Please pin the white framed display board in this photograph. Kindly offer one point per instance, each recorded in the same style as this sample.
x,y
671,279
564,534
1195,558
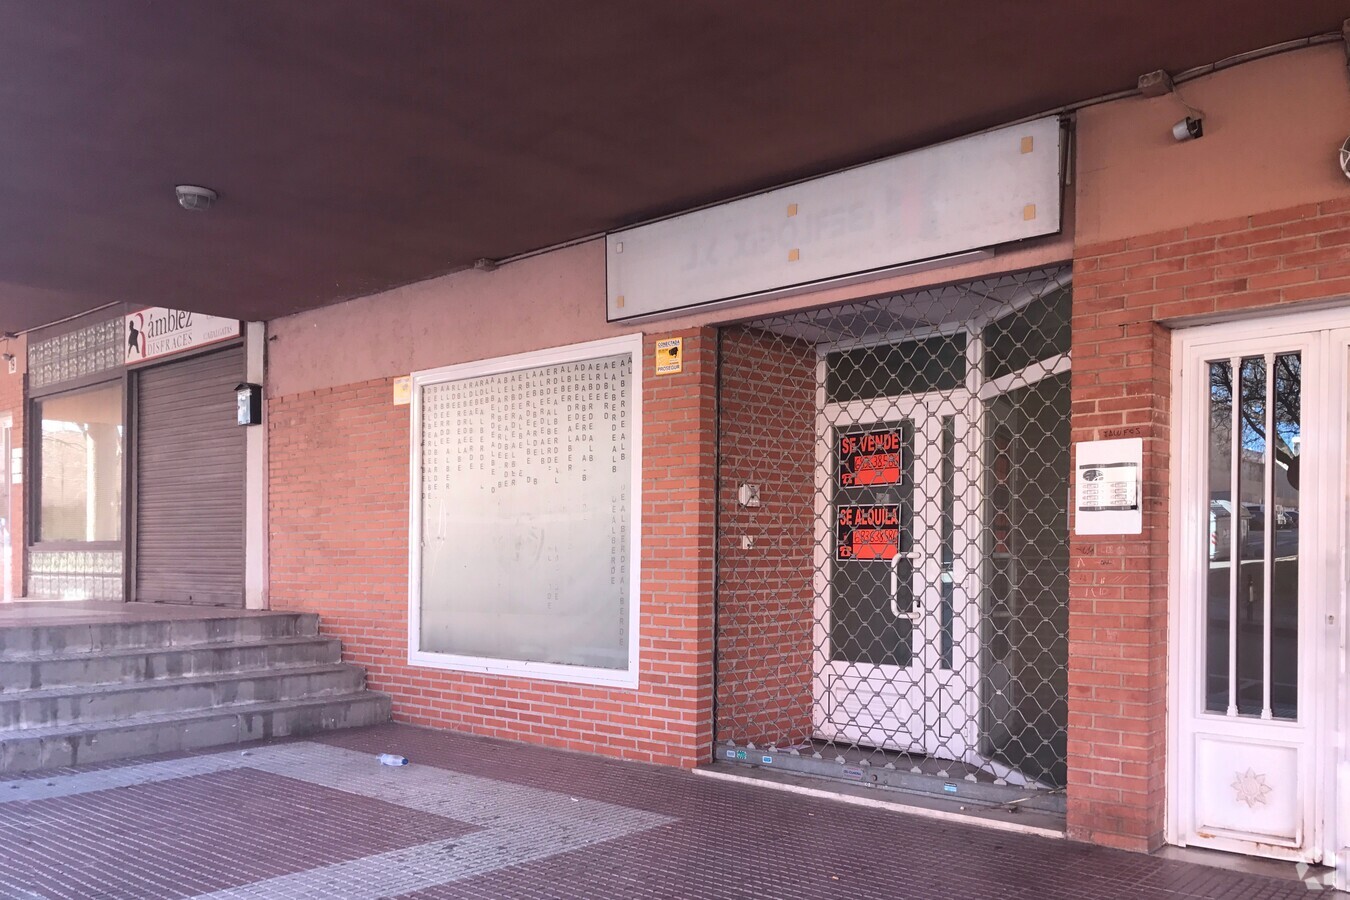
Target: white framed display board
x,y
1108,485
525,514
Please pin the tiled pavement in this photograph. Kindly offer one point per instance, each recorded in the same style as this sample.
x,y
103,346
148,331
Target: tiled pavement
x,y
473,818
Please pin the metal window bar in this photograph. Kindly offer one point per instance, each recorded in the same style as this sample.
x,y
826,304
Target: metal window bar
x,y
1268,527
1234,536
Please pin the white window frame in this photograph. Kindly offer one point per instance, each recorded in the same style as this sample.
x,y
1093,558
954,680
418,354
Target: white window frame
x,y
588,675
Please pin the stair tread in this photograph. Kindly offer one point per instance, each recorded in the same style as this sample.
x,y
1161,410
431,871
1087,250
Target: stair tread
x,y
184,716
118,652
112,687
101,621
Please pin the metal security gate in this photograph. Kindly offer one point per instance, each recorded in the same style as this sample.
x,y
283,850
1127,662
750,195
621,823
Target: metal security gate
x,y
188,492
893,540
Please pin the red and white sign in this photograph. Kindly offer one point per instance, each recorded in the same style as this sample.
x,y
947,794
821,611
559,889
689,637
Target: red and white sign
x,y
870,458
155,332
868,532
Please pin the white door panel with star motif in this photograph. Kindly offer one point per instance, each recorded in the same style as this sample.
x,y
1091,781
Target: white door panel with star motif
x,y
1257,590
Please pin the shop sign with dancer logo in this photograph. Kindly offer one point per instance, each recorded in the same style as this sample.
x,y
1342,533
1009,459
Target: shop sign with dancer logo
x,y
155,332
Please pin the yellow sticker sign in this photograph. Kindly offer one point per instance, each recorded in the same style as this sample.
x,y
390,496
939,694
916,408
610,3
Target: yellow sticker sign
x,y
669,356
402,391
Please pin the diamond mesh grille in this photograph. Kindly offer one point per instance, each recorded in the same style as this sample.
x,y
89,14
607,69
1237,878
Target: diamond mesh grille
x,y
893,534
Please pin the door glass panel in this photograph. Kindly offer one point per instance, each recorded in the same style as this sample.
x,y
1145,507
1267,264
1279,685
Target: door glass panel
x,y
1252,544
1036,331
863,627
1283,518
1250,570
1219,544
912,367
1026,597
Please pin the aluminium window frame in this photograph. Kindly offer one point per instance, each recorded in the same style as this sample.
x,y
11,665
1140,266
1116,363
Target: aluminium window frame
x,y
628,677
32,495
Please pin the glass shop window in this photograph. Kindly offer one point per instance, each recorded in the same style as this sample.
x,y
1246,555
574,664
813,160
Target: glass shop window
x,y
525,495
1037,331
911,367
80,455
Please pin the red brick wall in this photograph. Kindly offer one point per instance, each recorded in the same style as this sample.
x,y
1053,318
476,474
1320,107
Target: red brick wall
x,y
766,421
1122,380
339,483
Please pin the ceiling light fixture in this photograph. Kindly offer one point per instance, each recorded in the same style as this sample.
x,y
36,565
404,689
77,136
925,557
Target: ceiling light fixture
x,y
194,197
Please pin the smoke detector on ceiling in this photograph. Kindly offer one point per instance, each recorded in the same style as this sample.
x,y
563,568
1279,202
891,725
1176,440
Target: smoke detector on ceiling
x,y
194,197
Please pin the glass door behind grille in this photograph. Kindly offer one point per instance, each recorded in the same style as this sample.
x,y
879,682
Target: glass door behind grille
x,y
890,607
899,602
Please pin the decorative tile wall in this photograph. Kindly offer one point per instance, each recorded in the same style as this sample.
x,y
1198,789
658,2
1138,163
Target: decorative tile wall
x,y
75,574
75,354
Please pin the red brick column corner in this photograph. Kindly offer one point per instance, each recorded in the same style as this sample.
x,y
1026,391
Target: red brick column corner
x,y
1118,592
679,468
1122,386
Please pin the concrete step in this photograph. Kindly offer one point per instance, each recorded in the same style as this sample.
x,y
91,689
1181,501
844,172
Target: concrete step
x,y
139,664
54,639
78,704
70,745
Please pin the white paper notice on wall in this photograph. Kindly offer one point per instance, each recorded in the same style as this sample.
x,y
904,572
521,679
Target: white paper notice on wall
x,y
1107,488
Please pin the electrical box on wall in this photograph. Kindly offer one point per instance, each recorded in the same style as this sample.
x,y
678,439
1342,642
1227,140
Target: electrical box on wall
x,y
249,400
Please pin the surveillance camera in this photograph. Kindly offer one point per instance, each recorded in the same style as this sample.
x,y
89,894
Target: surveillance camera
x,y
1188,129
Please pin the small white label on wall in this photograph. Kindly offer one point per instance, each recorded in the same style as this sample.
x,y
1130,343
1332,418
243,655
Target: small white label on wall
x,y
1107,487
403,390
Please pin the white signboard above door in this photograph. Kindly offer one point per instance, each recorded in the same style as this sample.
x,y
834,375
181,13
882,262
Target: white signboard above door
x,y
155,332
897,213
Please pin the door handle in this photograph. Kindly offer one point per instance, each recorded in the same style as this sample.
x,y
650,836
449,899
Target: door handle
x,y
916,608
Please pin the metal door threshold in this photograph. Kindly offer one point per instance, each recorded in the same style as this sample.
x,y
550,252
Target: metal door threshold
x,y
1014,818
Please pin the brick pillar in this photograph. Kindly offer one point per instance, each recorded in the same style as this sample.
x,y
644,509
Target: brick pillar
x,y
13,391
766,592
1118,583
1122,385
679,467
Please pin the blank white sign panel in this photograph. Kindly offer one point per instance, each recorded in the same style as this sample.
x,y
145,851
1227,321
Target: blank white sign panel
x,y
525,514
972,193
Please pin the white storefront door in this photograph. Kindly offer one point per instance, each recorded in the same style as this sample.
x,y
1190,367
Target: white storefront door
x,y
1257,685
898,665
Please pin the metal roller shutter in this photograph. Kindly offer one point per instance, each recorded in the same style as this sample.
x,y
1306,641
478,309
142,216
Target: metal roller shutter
x,y
189,489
